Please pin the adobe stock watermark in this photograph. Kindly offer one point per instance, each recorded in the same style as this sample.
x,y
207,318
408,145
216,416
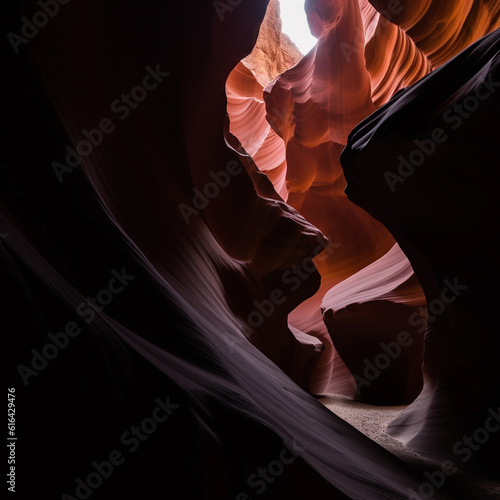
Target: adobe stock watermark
x,y
454,116
201,199
39,20
278,118
437,306
390,352
264,476
57,342
293,278
131,440
464,448
223,6
121,107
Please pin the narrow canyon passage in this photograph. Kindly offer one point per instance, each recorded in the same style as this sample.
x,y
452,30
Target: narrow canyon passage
x,y
292,255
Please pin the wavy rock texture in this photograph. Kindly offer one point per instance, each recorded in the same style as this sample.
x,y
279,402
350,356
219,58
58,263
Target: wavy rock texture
x,y
453,199
273,53
365,54
312,107
229,306
440,40
213,267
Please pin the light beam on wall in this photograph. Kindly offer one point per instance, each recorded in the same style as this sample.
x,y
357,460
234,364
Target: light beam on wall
x,y
295,25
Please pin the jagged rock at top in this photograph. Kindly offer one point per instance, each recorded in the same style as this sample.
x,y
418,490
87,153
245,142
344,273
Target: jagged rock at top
x,y
274,52
218,266
362,59
224,259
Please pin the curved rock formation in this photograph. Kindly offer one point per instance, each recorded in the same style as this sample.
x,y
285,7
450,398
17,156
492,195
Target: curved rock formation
x,y
272,54
363,58
312,107
385,359
423,165
142,167
466,22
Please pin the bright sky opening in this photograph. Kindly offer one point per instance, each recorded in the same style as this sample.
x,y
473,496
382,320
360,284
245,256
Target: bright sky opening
x,y
293,18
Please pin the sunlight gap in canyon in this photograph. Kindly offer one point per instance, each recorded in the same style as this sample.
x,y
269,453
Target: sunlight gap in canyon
x,y
294,24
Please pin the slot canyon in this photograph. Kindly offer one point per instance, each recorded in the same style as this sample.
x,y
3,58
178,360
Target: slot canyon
x,y
238,270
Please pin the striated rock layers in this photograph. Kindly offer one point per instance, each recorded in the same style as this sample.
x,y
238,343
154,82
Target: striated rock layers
x,y
240,224
295,128
424,165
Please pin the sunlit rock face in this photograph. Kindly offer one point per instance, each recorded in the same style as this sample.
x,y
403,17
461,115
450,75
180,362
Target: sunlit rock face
x,y
366,53
436,199
243,266
273,53
310,109
442,29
